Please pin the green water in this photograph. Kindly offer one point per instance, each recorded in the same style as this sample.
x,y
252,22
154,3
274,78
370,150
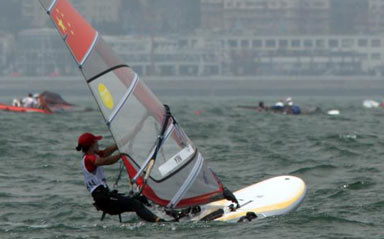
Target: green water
x,y
340,158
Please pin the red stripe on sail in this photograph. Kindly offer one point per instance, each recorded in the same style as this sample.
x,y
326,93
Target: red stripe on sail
x,y
78,34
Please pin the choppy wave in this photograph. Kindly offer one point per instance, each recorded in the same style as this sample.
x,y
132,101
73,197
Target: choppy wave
x,y
340,158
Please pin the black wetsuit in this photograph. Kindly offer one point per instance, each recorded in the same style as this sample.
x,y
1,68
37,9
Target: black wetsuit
x,y
114,203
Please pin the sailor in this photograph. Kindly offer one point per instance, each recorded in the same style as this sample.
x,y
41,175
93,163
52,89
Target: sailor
x,y
279,104
278,107
291,108
261,106
16,102
289,101
36,98
29,101
41,104
108,201
288,106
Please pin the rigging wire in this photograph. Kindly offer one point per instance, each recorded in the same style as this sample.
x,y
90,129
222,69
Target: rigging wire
x,y
118,176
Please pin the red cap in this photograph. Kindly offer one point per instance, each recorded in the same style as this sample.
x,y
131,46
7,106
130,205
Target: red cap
x,y
87,139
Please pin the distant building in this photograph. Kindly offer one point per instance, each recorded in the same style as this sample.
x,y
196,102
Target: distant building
x,y
376,13
33,14
313,16
41,52
236,37
160,16
305,55
248,55
99,11
6,47
10,16
294,16
349,16
266,17
172,56
212,12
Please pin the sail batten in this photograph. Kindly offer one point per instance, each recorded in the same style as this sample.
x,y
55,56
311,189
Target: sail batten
x,y
103,73
89,50
188,182
51,6
136,118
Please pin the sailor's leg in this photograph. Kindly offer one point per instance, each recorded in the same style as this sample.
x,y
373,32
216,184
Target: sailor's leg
x,y
143,212
127,204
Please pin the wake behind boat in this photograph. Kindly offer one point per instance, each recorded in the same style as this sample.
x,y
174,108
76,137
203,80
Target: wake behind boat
x,y
162,162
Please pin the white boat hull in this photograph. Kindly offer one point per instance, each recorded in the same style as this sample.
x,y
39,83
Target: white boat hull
x,y
271,197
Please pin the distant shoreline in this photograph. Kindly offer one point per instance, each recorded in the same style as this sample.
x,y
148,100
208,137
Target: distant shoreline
x,y
207,78
215,86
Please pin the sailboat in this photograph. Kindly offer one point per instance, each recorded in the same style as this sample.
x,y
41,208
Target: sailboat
x,y
48,103
162,162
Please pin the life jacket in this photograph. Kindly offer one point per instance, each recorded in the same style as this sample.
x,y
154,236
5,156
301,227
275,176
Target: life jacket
x,y
93,179
296,110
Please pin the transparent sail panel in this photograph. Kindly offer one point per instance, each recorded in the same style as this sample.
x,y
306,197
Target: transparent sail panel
x,y
101,59
108,91
135,130
175,152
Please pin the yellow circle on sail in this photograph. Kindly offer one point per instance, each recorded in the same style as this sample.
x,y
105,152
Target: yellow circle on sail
x,y
105,96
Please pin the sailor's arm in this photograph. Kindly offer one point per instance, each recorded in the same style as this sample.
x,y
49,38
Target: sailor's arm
x,y
107,160
109,150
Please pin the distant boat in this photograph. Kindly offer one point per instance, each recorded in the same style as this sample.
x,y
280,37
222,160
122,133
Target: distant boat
x,y
21,109
55,102
371,104
49,102
288,109
333,112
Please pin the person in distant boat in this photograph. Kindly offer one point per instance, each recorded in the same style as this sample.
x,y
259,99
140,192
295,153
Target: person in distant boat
x,y
29,101
290,108
262,106
107,201
288,101
278,107
41,104
17,102
37,100
279,104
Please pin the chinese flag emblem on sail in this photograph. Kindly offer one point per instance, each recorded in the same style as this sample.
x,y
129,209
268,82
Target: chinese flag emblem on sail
x,y
76,32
